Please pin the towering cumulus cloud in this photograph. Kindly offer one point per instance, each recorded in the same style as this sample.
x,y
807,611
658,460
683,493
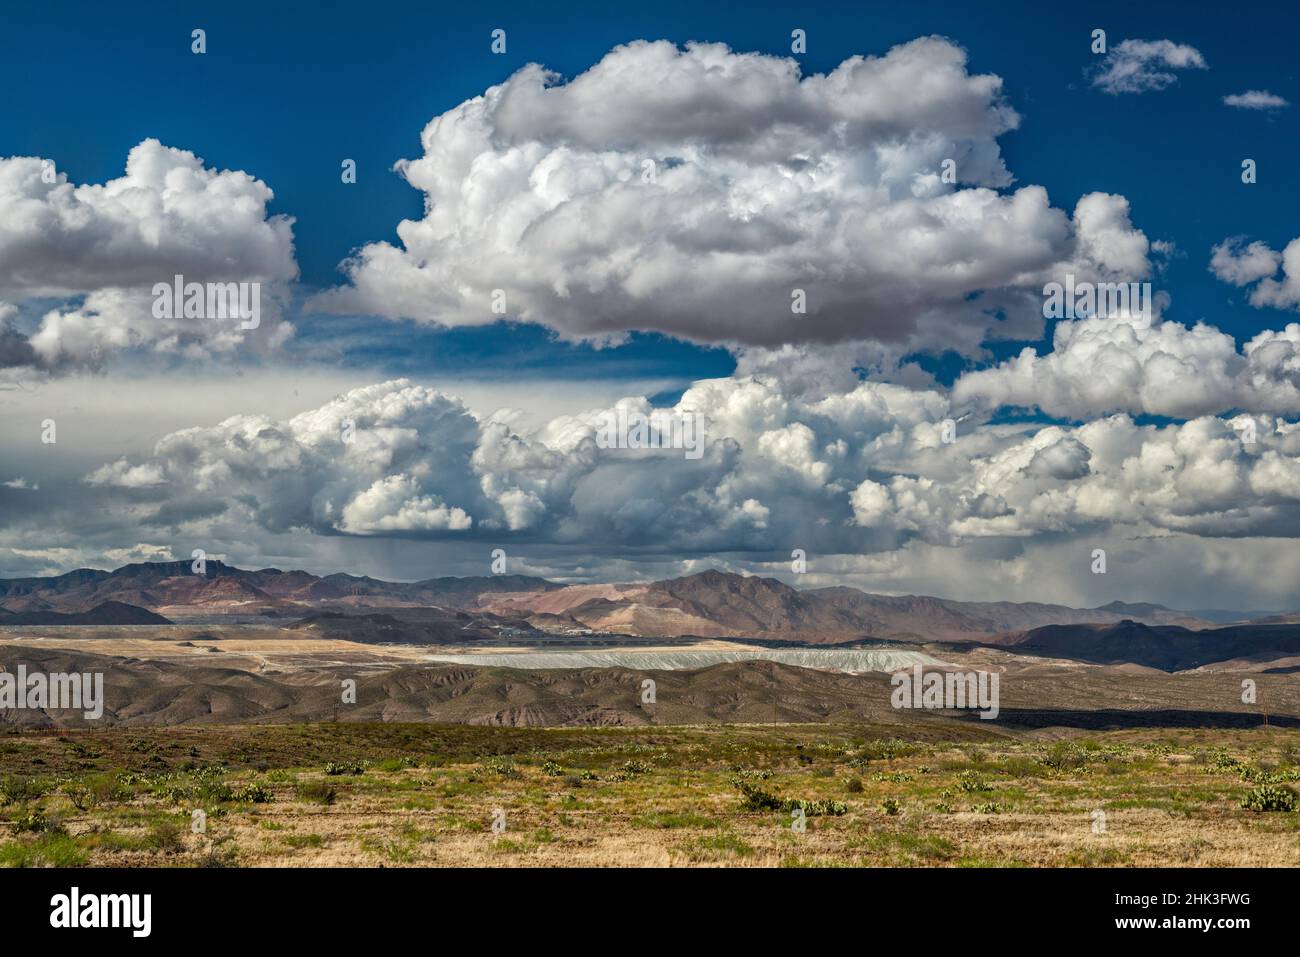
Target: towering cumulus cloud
x,y
694,191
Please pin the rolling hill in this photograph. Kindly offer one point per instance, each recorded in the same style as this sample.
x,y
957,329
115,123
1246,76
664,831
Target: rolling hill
x,y
1167,647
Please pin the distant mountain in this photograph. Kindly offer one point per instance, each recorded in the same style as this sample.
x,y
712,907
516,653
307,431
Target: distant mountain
x,y
1166,647
1290,618
718,604
173,588
1226,616
710,604
1217,616
434,628
106,613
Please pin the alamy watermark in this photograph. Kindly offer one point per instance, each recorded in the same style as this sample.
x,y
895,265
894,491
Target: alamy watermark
x,y
1084,300
56,691
179,299
75,909
661,429
946,690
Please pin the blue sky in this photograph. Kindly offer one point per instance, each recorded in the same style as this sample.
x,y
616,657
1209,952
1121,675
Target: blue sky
x,y
288,90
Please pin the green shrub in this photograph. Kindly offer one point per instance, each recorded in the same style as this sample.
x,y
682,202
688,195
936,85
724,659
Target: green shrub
x,y
253,794
1269,797
754,798
317,792
336,768
17,790
35,822
48,850
304,840
970,782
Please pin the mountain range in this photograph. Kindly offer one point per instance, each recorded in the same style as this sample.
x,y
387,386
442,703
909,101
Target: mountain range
x,y
710,604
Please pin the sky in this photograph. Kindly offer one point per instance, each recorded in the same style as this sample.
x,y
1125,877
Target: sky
x,y
505,270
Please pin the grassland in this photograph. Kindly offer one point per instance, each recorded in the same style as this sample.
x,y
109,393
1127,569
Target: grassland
x,y
427,795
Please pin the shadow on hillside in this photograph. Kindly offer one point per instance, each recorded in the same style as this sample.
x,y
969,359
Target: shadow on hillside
x,y
1111,720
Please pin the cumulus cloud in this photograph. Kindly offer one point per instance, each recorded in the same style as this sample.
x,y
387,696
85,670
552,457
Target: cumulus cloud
x,y
1240,264
860,471
103,247
694,192
1255,100
1120,363
1257,263
1136,66
123,474
1200,477
1067,458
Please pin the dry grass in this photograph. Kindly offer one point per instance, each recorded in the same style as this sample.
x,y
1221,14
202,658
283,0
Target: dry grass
x,y
427,796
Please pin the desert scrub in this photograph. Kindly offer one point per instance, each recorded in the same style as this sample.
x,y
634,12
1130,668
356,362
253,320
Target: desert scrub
x,y
1269,797
35,822
893,777
1019,766
552,769
714,846
17,790
96,790
395,850
297,841
674,819
505,769
631,769
397,764
252,794
48,850
316,792
337,768
1263,775
201,785
970,782
889,806
754,798
881,750
164,837
1065,756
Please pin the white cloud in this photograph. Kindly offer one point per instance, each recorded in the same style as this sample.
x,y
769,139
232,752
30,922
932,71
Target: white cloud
x,y
860,471
1255,100
102,247
394,504
1136,66
123,474
139,552
765,182
1239,264
1257,263
1111,364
